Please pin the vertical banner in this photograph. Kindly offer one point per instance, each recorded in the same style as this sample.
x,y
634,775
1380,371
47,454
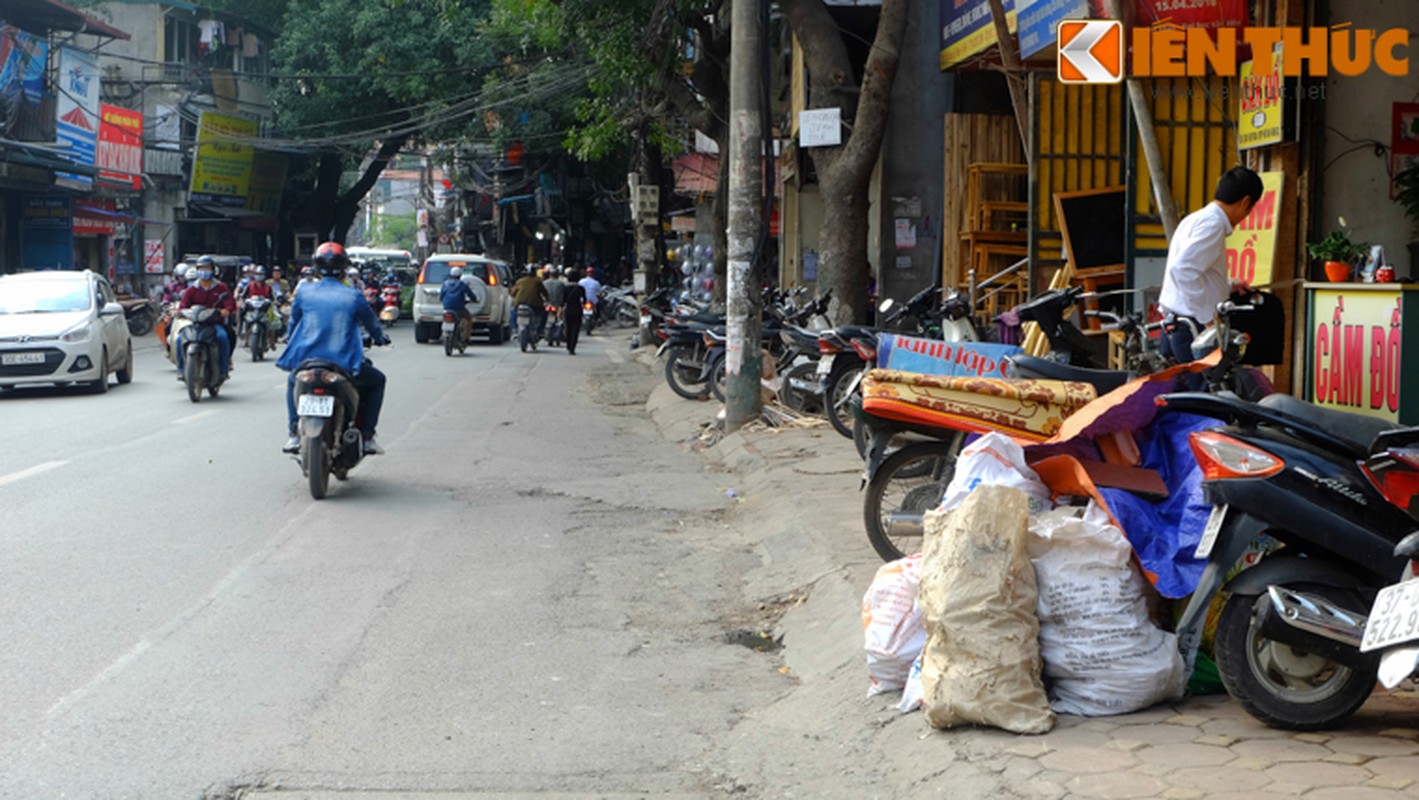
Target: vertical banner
x,y
153,257
46,232
77,112
221,169
268,180
120,152
1251,249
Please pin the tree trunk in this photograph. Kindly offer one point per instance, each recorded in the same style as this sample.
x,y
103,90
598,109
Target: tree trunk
x,y
845,171
348,206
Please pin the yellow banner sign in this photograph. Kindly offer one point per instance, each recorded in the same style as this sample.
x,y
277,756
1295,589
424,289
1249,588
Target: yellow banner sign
x,y
1355,351
221,169
1251,249
1261,103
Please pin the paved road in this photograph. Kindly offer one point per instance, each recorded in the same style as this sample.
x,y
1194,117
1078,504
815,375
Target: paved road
x,y
499,603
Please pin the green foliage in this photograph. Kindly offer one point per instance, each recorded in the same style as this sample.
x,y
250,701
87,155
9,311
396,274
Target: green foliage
x,y
398,231
1337,247
1407,182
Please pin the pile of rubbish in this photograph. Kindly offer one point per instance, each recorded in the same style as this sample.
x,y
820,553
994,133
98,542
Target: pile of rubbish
x,y
1019,607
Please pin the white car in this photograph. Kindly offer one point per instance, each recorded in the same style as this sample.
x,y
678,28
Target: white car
x,y
62,327
492,305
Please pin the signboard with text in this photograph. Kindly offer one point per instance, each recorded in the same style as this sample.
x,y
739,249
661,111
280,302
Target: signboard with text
x,y
120,147
77,112
1251,249
967,29
153,257
46,232
1355,349
221,168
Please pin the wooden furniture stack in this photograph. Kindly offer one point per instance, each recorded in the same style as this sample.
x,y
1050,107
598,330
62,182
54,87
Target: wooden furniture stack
x,y
996,233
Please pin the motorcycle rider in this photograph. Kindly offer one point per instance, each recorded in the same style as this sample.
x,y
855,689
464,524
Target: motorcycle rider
x,y
212,293
530,291
592,287
172,291
456,296
326,318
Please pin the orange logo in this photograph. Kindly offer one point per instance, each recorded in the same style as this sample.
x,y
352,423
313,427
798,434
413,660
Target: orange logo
x,y
1090,51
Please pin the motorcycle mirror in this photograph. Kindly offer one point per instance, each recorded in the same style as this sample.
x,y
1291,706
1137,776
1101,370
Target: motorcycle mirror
x,y
885,306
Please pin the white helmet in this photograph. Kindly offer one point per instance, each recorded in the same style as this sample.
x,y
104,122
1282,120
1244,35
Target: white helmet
x,y
352,271
180,271
456,272
192,273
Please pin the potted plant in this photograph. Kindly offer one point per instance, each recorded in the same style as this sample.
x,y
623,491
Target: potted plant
x,y
1338,253
1406,183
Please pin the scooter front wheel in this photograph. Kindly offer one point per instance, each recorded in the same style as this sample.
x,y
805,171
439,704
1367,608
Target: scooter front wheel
x,y
1282,685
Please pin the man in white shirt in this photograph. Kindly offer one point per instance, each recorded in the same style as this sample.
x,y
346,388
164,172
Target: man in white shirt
x,y
1196,279
593,296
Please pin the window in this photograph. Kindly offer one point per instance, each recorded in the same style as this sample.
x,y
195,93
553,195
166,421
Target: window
x,y
179,40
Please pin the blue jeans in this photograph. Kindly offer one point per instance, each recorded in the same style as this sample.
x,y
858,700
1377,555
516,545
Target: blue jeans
x,y
224,351
369,383
1176,344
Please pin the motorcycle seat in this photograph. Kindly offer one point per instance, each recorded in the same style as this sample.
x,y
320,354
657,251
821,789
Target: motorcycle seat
x,y
859,331
1103,380
321,363
1360,429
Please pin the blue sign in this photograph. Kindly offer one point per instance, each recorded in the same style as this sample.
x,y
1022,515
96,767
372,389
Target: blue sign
x,y
951,359
46,232
77,112
1038,19
967,28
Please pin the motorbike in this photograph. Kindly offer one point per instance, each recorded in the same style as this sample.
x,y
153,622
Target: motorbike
x,y
556,329
389,313
141,314
455,333
1392,626
588,316
1302,494
526,329
201,367
257,313
327,408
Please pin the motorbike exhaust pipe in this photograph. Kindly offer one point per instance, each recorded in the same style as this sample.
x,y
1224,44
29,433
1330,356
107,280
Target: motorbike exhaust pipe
x,y
352,446
1314,624
904,524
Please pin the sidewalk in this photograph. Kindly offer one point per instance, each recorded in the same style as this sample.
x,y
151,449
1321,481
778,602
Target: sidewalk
x,y
802,513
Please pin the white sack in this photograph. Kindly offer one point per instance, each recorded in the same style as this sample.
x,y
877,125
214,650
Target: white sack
x,y
891,623
995,460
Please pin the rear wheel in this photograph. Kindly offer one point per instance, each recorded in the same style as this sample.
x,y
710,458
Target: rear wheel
x,y
448,341
719,376
682,372
317,466
910,481
836,396
192,376
421,333
796,398
1285,686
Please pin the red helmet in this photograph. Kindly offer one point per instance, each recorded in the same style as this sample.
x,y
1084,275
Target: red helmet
x,y
330,259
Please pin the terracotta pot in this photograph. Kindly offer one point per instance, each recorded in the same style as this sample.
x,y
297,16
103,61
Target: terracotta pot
x,y
1337,271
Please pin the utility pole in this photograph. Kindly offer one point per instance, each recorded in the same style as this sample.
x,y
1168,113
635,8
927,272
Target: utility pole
x,y
1148,137
742,359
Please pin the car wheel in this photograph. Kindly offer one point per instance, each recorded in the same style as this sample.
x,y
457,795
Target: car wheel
x,y
421,333
125,373
498,334
101,385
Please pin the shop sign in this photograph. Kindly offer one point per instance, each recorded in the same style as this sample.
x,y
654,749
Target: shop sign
x,y
1039,18
1205,14
46,232
95,225
1261,105
77,112
153,257
221,168
22,60
967,29
120,148
1355,351
268,181
820,127
1251,249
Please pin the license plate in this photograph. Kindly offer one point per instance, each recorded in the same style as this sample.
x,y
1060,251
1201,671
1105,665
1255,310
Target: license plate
x,y
315,405
1209,533
448,327
825,366
22,358
1394,618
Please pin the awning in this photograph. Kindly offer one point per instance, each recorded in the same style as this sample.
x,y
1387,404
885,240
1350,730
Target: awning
x,y
42,157
54,15
82,209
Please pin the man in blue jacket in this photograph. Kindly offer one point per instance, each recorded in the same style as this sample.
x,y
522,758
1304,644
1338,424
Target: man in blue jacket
x,y
325,323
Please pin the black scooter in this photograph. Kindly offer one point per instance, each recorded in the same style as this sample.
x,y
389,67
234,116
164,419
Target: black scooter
x,y
201,362
328,415
1293,498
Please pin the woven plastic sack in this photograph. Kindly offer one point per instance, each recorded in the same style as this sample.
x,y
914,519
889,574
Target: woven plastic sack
x,y
891,623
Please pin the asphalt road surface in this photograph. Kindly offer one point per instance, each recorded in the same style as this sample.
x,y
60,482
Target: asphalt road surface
x,y
504,602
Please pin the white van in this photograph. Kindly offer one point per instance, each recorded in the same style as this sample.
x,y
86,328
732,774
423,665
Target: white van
x,y
491,308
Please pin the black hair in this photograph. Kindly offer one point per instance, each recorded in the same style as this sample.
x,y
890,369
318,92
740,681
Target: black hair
x,y
1236,183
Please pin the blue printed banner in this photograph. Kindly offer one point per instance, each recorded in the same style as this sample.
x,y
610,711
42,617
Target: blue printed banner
x,y
950,359
1038,19
77,110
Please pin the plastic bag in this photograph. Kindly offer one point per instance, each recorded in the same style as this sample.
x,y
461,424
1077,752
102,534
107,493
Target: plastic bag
x,y
891,623
912,693
995,460
1102,655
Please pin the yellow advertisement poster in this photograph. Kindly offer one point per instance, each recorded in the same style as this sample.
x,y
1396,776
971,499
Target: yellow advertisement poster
x,y
1260,104
1251,249
221,168
268,180
1355,350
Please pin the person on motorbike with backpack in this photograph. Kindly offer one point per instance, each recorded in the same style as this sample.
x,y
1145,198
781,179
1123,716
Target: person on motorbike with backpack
x,y
326,318
456,295
209,292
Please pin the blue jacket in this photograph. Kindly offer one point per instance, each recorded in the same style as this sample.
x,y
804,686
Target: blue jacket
x,y
456,295
325,323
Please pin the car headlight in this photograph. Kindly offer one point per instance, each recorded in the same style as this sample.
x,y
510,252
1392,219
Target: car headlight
x,y
79,334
